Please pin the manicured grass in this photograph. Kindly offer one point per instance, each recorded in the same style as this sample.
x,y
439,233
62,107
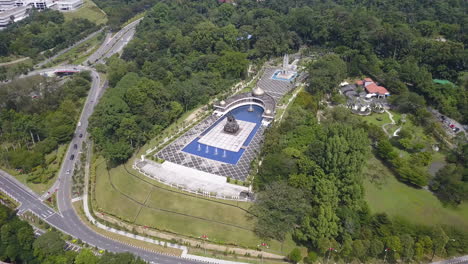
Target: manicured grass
x,y
374,119
78,206
175,211
386,194
109,200
90,11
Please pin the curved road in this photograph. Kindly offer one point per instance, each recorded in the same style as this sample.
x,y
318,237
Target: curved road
x,y
67,220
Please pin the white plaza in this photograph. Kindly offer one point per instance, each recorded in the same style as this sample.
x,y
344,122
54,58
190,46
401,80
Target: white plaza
x,y
217,138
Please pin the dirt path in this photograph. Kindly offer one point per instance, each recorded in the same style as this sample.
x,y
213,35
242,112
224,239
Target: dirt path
x,y
13,62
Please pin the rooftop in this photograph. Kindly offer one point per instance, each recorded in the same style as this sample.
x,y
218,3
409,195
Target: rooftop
x,y
13,11
375,89
443,82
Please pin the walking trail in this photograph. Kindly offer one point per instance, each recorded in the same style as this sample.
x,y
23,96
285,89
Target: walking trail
x,y
390,115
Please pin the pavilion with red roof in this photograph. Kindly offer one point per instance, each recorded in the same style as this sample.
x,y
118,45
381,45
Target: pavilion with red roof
x,y
372,89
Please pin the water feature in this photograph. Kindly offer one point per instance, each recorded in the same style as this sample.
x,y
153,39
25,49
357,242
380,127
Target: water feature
x,y
231,157
281,75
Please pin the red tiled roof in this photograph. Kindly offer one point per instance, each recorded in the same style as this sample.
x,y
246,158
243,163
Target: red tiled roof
x,y
374,88
359,82
368,80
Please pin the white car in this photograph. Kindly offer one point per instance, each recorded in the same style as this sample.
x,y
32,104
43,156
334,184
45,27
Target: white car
x,y
68,172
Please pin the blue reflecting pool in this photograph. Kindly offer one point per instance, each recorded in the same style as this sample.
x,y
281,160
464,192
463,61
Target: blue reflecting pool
x,y
219,154
276,76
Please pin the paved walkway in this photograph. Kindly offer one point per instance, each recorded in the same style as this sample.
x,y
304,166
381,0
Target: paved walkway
x,y
459,260
189,179
390,115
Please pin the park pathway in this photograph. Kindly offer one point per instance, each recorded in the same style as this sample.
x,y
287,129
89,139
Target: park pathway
x,y
390,115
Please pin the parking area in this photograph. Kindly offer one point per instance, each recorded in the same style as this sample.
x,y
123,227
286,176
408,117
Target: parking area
x,y
452,127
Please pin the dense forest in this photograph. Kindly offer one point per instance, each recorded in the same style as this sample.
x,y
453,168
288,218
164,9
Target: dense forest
x,y
18,244
192,50
43,31
311,184
37,114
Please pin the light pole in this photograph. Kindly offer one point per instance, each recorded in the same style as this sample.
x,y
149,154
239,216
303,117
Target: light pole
x,y
330,252
204,238
263,244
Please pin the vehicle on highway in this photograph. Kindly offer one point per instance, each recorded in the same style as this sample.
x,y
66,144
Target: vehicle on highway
x,y
75,146
72,157
68,172
81,135
79,123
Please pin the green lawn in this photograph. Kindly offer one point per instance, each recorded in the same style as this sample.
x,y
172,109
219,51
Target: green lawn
x,y
385,194
377,119
174,211
109,200
90,11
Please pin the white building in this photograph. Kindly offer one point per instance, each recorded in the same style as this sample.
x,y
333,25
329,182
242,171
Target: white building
x,y
38,4
13,15
69,5
15,10
7,5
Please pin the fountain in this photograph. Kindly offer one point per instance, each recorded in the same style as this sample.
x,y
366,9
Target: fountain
x,y
216,151
207,149
224,154
286,73
199,147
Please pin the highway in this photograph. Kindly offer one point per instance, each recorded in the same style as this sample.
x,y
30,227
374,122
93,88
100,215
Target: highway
x,y
44,62
80,132
69,222
66,219
113,45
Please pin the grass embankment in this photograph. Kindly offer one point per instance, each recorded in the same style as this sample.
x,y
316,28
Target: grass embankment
x,y
139,200
78,206
89,11
54,160
384,193
136,17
